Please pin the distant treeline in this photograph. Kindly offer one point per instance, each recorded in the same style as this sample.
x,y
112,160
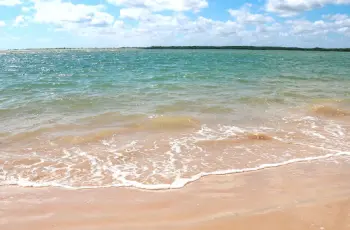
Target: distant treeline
x,y
250,48
186,48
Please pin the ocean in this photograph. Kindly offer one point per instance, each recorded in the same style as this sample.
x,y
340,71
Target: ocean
x,y
160,119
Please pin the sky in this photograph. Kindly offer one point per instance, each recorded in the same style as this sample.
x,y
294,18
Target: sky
x,y
124,23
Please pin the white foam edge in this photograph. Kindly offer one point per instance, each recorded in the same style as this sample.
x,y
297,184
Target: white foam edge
x,y
179,182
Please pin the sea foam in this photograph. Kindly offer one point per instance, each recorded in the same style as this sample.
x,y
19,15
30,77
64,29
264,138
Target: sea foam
x,y
179,182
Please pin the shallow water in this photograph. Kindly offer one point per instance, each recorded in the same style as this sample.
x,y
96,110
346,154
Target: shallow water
x,y
159,119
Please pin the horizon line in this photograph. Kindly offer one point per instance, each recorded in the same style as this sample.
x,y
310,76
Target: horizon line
x,y
245,47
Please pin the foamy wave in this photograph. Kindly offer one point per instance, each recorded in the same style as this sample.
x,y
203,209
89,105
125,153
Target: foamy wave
x,y
179,182
170,161
223,132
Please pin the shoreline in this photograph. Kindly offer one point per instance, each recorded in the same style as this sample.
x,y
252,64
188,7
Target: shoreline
x,y
287,197
184,182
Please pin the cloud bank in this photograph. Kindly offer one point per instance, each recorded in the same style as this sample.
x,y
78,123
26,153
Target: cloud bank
x,y
181,22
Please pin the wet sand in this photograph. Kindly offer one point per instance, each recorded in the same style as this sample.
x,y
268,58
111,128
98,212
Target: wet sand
x,y
312,195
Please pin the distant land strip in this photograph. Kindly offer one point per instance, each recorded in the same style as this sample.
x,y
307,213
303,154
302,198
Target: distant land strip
x,y
181,48
250,48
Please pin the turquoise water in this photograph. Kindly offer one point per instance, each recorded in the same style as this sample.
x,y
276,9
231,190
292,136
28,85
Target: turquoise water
x,y
144,80
52,103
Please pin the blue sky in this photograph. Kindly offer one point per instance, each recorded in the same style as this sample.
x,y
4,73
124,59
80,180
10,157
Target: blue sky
x,y
116,23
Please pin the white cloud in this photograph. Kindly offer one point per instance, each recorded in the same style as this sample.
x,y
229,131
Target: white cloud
x,y
340,20
202,26
9,2
305,27
153,27
178,29
344,30
244,16
26,8
288,8
161,5
157,23
118,24
2,23
178,24
332,24
69,16
20,21
157,29
336,17
134,13
273,28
